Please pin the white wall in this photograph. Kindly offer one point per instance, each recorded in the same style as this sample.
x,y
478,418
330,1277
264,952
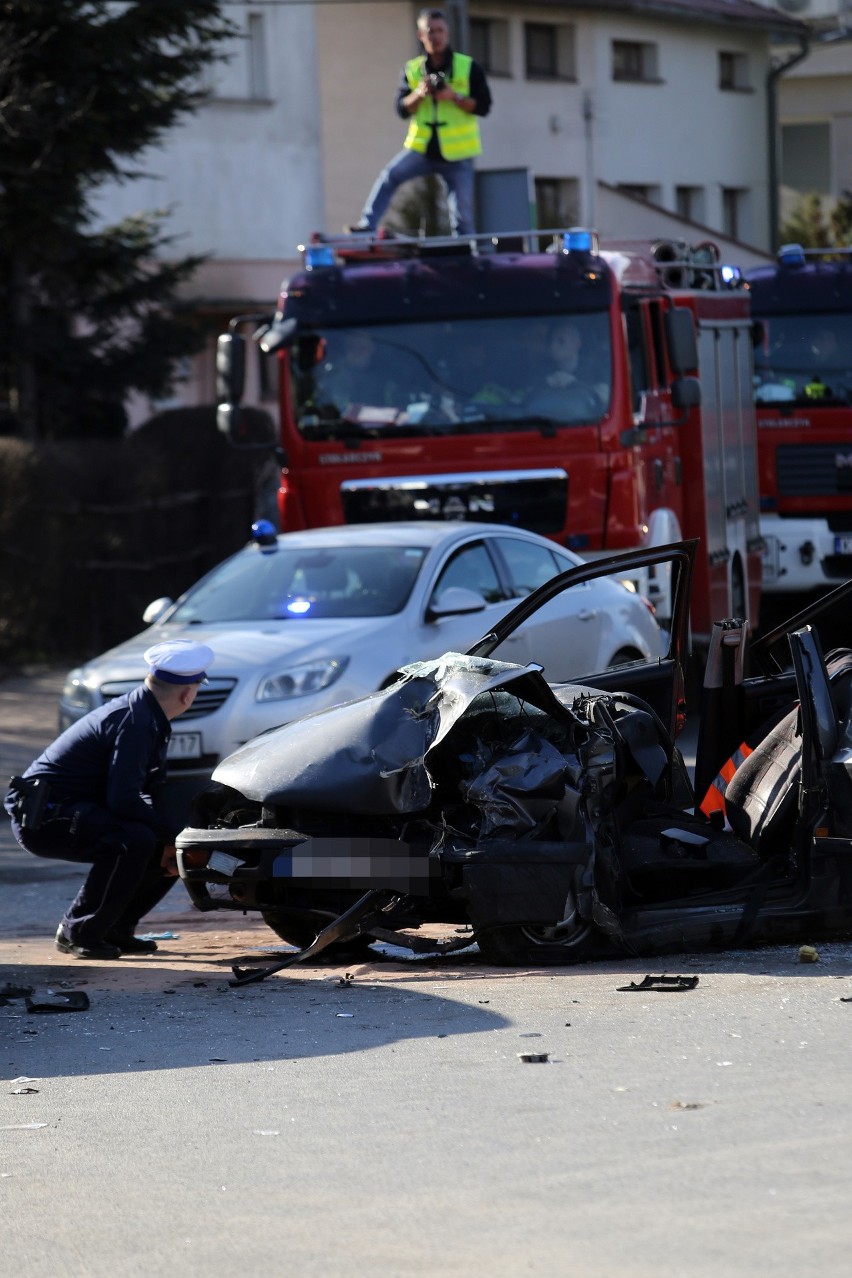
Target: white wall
x,y
243,176
682,131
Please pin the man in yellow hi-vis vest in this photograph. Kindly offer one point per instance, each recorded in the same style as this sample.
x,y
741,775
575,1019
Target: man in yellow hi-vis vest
x,y
440,94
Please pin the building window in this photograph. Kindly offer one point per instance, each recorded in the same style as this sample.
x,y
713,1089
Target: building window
x,y
488,42
557,202
244,75
734,72
549,51
806,157
258,82
689,202
641,191
634,61
734,208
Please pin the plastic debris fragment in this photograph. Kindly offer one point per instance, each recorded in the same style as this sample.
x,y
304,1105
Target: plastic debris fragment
x,y
68,1001
661,983
807,954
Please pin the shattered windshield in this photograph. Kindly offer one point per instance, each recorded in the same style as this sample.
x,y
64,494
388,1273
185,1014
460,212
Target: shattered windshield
x,y
453,376
302,584
803,359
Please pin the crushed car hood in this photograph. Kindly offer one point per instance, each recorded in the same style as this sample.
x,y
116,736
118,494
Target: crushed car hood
x,y
372,755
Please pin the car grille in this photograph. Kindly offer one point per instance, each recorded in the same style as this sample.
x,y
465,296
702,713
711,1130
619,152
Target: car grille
x,y
813,470
211,695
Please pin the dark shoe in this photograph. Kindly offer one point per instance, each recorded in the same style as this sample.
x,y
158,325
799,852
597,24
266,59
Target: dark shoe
x,y
359,228
98,950
131,944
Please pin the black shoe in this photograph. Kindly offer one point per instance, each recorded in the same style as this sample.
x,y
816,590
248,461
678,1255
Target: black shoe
x,y
130,944
98,950
359,228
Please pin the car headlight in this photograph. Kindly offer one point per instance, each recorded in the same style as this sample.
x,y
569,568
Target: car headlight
x,y
300,681
76,694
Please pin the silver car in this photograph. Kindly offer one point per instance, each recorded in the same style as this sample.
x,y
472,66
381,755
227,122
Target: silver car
x,y
303,621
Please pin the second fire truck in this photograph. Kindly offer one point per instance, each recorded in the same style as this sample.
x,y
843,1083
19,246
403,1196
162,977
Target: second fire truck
x,y
803,393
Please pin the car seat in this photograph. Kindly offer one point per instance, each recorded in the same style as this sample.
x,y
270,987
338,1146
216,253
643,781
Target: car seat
x,y
779,795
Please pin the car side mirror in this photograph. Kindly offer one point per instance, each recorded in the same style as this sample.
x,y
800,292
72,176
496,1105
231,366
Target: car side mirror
x,y
456,601
155,610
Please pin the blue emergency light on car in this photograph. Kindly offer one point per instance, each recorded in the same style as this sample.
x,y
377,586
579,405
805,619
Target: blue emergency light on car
x,y
578,239
263,532
730,275
791,255
318,255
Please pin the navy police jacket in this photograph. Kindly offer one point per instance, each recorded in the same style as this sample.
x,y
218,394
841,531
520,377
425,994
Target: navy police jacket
x,y
115,757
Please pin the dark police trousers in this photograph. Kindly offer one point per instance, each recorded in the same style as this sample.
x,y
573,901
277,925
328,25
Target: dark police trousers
x,y
126,879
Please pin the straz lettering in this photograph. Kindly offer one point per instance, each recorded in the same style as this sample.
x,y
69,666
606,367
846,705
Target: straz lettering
x,y
347,459
791,423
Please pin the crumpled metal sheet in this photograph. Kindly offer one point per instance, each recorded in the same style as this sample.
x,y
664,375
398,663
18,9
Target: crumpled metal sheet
x,y
505,757
371,755
520,789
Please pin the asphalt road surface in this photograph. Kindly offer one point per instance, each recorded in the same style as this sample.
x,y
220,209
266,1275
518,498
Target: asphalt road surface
x,y
377,1118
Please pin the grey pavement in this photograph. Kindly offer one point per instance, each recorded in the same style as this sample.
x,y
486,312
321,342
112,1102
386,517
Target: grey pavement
x,y
382,1122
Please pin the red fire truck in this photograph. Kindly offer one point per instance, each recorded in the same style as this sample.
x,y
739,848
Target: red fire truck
x,y
600,395
803,394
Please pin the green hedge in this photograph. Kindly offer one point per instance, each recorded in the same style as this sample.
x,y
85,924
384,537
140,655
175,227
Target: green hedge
x,y
91,531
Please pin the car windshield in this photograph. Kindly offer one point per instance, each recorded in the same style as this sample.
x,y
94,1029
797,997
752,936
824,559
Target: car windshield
x,y
453,377
300,584
804,358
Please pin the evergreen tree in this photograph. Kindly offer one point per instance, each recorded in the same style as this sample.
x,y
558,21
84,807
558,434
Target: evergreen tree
x,y
88,315
806,224
841,221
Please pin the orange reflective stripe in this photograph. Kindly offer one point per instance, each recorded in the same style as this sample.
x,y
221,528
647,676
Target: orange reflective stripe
x,y
714,799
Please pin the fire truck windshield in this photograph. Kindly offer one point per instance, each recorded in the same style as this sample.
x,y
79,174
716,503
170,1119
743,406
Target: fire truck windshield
x,y
453,376
804,358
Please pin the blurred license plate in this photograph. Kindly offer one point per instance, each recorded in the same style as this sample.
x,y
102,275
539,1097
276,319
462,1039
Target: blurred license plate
x,y
843,545
185,745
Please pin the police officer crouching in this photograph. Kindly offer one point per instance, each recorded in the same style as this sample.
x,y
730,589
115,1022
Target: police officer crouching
x,y
89,797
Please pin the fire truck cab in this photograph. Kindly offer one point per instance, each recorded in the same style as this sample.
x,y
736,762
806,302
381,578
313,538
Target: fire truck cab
x,y
598,394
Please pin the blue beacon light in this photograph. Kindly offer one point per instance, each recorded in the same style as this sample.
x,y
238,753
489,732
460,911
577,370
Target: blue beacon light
x,y
318,255
578,239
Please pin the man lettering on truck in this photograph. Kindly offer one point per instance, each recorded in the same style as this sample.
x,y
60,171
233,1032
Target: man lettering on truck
x,y
441,94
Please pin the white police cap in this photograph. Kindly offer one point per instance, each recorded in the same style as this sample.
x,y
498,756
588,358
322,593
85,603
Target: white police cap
x,y
179,660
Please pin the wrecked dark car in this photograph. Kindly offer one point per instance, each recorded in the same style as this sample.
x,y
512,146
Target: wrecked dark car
x,y
557,821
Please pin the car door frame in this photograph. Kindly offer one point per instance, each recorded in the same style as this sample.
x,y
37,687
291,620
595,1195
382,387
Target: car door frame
x,y
660,683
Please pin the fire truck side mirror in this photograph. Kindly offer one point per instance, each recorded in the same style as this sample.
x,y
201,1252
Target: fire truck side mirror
x,y
686,393
680,340
230,368
245,427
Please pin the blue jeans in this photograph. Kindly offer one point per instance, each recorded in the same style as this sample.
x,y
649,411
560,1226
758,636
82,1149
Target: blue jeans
x,y
458,175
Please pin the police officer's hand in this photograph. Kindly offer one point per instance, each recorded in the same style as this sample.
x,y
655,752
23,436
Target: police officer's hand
x,y
169,861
